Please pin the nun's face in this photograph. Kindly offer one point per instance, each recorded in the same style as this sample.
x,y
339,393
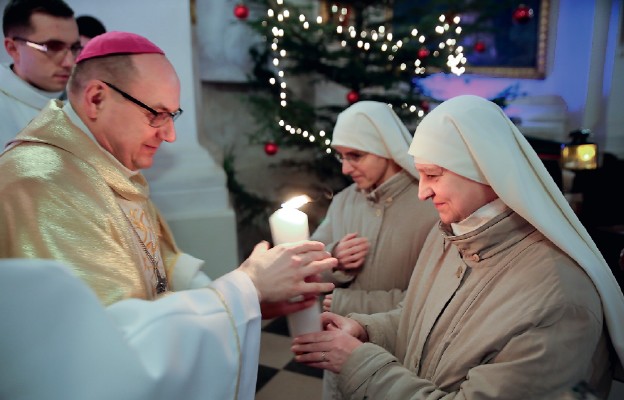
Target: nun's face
x,y
454,196
367,170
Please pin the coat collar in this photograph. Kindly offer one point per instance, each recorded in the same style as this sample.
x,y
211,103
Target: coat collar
x,y
497,235
391,188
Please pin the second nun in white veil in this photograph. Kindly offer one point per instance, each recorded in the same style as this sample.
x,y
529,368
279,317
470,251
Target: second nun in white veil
x,y
366,227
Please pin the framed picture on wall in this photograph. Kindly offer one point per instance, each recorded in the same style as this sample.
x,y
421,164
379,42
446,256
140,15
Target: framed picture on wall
x,y
515,45
622,28
501,38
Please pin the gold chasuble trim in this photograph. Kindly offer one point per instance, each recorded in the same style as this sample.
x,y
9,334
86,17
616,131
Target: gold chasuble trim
x,y
238,345
161,279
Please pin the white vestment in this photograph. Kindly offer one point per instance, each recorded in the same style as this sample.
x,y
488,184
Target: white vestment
x,y
19,103
59,342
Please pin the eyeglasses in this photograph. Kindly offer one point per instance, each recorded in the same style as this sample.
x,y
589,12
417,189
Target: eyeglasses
x,y
158,118
52,47
351,158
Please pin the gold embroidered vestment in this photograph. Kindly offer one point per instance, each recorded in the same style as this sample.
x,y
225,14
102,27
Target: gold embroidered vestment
x,y
59,192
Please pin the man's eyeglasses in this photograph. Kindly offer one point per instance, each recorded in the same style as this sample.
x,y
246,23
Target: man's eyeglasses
x,y
52,47
158,118
351,158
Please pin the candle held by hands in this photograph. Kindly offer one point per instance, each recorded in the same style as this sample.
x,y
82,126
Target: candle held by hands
x,y
288,224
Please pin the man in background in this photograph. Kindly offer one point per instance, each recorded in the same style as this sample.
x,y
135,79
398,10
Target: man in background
x,y
41,36
89,27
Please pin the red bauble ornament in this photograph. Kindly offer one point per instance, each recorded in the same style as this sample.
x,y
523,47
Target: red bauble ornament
x,y
479,47
241,11
270,148
425,106
522,14
423,53
353,97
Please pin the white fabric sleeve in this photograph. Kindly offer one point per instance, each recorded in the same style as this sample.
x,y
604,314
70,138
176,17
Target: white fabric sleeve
x,y
59,342
187,274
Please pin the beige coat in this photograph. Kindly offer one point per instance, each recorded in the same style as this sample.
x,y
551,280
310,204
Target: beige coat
x,y
499,313
396,224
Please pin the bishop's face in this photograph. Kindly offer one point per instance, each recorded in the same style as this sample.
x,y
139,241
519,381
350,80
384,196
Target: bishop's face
x,y
125,127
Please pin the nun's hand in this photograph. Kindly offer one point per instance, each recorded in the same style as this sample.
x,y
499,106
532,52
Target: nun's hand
x,y
327,302
331,348
351,251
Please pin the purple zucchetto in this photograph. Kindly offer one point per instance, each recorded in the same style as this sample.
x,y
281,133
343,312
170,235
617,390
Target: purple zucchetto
x,y
116,42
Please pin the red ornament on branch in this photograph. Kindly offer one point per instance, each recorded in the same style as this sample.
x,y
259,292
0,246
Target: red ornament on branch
x,y
479,47
425,106
522,14
241,11
353,97
423,52
271,148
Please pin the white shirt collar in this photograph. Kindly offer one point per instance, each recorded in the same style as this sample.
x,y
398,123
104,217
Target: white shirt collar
x,y
479,218
22,91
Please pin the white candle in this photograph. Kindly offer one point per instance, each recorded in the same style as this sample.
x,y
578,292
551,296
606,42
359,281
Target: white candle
x,y
288,224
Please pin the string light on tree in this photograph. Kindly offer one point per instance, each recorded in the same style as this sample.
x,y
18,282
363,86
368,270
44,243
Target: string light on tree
x,y
280,20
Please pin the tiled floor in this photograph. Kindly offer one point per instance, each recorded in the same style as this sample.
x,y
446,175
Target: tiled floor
x,y
279,376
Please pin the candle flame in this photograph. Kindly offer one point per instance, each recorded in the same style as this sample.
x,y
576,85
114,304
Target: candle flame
x,y
296,202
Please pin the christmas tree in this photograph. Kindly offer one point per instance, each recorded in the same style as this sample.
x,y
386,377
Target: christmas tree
x,y
354,50
359,45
